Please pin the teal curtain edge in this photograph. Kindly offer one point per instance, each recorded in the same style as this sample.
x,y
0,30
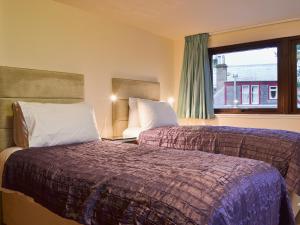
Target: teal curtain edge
x,y
195,98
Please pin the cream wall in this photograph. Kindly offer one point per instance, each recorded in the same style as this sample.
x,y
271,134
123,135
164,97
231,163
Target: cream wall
x,y
45,34
284,29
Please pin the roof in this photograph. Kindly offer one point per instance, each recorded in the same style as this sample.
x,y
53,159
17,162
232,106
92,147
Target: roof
x,y
259,72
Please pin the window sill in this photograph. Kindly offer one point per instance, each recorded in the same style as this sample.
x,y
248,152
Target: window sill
x,y
259,116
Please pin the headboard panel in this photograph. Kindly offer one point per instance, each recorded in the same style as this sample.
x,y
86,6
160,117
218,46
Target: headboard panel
x,y
125,88
18,84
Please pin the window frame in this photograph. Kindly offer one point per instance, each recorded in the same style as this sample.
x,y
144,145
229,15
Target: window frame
x,y
293,66
286,81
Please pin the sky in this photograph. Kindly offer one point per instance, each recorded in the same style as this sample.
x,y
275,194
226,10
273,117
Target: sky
x,y
251,57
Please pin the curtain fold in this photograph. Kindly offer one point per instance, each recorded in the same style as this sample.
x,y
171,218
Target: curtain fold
x,y
196,87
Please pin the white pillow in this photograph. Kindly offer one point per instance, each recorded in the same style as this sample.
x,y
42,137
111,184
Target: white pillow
x,y
156,114
133,119
56,124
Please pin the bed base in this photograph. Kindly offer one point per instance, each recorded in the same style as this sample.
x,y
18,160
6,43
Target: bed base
x,y
21,210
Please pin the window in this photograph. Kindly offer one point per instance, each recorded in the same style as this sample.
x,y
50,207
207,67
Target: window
x,y
240,69
245,95
257,77
273,93
255,94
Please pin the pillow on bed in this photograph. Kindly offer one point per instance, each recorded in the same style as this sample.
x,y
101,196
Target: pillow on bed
x,y
20,132
156,114
46,124
133,119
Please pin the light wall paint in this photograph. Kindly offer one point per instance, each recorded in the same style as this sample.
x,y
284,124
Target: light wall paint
x,y
177,18
54,36
286,122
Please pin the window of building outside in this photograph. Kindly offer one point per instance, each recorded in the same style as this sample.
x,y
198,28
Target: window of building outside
x,y
245,79
245,94
273,92
255,95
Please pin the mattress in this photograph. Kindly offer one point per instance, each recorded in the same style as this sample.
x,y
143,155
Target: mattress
x,y
104,183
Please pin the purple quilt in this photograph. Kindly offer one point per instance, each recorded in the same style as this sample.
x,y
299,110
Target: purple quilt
x,y
279,148
106,183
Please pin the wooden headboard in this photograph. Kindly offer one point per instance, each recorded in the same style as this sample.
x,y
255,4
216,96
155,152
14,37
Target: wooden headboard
x,y
18,84
123,89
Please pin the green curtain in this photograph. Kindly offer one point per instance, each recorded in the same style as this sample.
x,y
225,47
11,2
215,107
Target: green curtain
x,y
196,87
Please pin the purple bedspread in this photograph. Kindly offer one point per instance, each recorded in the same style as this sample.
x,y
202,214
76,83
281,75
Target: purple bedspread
x,y
105,183
279,148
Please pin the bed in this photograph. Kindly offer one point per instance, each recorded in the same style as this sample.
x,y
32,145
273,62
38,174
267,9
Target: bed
x,y
104,183
34,86
279,148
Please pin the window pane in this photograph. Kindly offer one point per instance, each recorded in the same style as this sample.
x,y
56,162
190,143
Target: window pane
x,y
246,79
245,95
298,76
255,94
273,92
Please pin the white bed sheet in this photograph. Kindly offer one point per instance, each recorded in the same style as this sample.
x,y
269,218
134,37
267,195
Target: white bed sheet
x,y
132,132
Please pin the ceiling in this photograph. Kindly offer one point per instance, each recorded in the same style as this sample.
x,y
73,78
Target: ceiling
x,y
177,18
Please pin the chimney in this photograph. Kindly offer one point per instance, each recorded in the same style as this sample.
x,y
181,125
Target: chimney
x,y
221,71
